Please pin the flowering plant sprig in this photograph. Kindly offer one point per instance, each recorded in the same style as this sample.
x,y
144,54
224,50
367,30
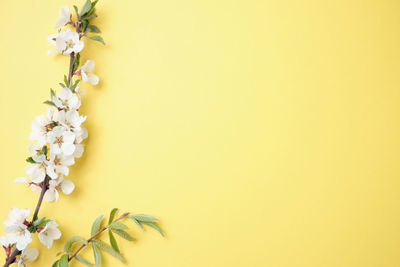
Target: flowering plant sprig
x,y
57,141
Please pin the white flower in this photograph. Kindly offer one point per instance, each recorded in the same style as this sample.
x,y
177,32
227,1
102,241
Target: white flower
x,y
16,228
64,18
37,171
27,255
66,99
61,140
49,233
62,184
86,75
80,135
34,148
58,164
70,119
41,125
66,42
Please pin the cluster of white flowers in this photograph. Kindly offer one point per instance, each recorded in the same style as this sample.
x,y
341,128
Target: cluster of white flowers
x,y
58,136
18,233
57,140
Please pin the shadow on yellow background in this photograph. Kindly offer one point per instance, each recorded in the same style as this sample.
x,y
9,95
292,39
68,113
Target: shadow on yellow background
x,y
262,133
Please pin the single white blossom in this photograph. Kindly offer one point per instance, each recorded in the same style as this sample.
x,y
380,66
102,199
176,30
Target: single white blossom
x,y
64,17
66,99
58,164
37,171
49,233
34,148
70,119
61,140
66,42
86,74
62,184
41,125
16,228
27,255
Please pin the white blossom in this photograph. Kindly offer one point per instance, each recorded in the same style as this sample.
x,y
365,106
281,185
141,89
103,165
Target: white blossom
x,y
16,228
64,17
41,125
62,184
49,233
70,119
27,255
66,99
86,74
66,42
61,140
58,164
37,171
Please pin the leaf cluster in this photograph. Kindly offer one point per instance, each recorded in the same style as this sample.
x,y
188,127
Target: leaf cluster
x,y
114,227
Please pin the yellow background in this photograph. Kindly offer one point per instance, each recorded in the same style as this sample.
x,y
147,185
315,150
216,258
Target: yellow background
x,y
261,133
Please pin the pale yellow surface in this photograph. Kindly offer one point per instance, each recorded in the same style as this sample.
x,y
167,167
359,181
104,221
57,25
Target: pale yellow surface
x,y
261,133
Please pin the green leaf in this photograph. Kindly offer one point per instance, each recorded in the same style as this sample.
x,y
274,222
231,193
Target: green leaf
x,y
123,234
56,263
64,261
30,160
96,225
92,28
82,260
97,256
50,103
86,7
155,226
96,38
77,61
66,81
73,87
118,225
113,242
76,11
112,215
72,240
32,229
143,217
137,222
105,247
52,93
45,150
94,3
85,24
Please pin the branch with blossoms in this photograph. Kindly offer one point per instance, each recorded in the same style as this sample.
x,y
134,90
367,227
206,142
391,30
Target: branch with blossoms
x,y
57,141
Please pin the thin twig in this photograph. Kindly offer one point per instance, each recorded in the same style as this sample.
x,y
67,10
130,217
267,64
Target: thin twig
x,y
94,236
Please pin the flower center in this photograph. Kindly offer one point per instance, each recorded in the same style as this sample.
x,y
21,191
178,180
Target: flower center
x,y
70,43
59,140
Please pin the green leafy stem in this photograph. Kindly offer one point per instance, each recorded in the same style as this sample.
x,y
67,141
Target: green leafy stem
x,y
114,226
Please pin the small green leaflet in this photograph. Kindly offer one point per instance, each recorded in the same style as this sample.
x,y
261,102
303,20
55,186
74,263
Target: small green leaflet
x,y
122,234
96,38
30,160
64,261
72,240
97,256
154,226
82,260
86,7
113,242
93,28
56,263
105,247
66,81
143,217
112,215
96,225
76,11
50,103
118,225
52,93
